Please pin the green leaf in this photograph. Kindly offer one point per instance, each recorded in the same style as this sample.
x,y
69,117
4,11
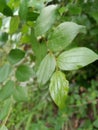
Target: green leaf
x,y
39,126
38,4
7,90
32,16
95,123
15,56
20,93
0,22
94,14
23,10
25,29
3,127
41,52
23,73
40,49
5,109
14,23
25,39
45,20
7,11
4,72
76,58
46,68
74,9
3,36
2,5
58,88
63,35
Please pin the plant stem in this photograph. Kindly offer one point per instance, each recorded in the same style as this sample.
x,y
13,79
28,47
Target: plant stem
x,y
4,122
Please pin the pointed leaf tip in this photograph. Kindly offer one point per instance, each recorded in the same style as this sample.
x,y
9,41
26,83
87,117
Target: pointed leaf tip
x,y
45,20
76,58
63,35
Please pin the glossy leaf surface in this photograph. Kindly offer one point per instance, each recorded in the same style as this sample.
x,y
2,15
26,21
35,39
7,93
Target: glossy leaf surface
x,y
63,35
76,58
45,20
46,69
59,88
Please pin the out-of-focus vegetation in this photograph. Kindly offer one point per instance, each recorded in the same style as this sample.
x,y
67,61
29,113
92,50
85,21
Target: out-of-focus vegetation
x,y
26,104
